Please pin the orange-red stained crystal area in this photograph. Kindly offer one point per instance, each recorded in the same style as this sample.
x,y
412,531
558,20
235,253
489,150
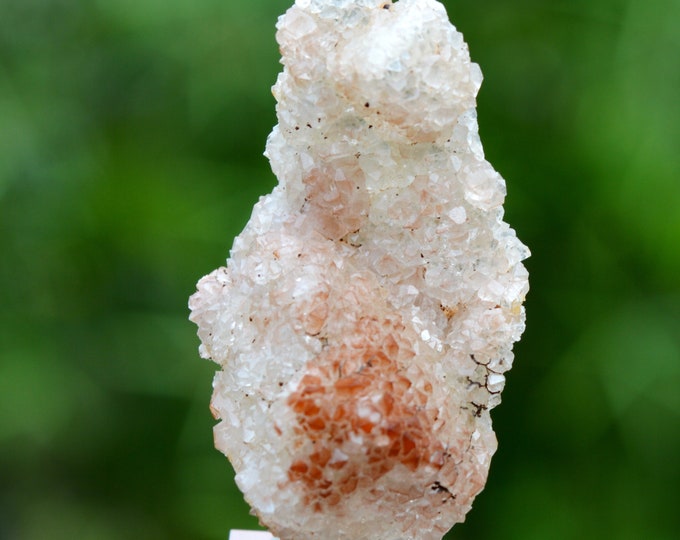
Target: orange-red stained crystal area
x,y
359,416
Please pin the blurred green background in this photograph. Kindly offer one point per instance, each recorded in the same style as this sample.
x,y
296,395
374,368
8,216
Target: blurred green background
x,y
131,139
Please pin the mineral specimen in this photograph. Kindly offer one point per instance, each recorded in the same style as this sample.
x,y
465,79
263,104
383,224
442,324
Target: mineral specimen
x,y
368,310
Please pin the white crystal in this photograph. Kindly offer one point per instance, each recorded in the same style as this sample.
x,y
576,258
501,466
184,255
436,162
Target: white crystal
x,y
368,310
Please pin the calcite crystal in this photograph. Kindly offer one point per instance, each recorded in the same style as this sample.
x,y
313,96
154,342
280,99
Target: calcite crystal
x,y
367,312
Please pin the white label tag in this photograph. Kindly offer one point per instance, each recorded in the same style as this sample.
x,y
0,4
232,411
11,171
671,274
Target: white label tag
x,y
236,534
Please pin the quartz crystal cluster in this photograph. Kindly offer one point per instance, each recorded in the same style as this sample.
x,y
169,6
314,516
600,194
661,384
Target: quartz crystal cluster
x,y
367,312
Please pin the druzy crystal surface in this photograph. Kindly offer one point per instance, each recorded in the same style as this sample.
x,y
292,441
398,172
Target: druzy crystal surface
x,y
367,312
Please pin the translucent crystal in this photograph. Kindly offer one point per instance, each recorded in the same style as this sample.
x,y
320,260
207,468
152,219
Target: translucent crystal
x,y
367,311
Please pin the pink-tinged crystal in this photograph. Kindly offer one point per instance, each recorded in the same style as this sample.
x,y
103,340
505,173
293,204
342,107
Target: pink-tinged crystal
x,y
368,310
